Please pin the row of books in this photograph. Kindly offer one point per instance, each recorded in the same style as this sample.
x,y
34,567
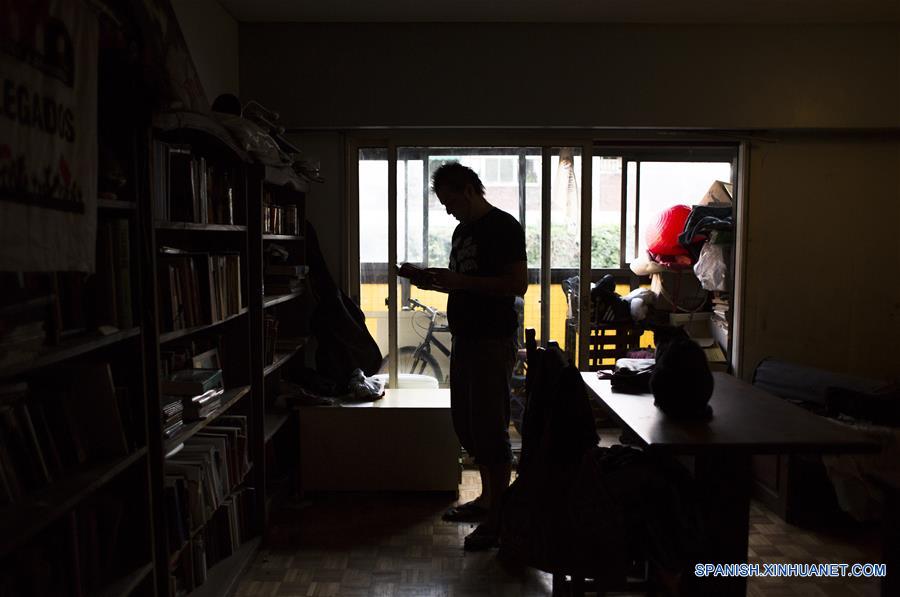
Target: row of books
x,y
229,527
189,188
198,288
283,279
203,475
280,219
47,433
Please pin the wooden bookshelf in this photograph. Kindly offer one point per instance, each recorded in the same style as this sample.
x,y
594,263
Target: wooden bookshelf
x,y
273,195
94,323
201,140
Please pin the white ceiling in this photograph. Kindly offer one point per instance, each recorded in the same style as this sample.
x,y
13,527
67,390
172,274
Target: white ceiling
x,y
571,11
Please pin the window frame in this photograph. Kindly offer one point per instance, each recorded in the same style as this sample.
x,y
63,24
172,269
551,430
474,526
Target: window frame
x,y
644,147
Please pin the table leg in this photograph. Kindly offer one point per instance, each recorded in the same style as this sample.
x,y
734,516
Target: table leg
x,y
723,482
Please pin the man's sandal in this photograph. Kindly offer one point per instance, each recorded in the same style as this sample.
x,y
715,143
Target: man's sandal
x,y
470,512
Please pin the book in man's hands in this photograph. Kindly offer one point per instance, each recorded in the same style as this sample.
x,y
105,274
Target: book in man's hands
x,y
418,276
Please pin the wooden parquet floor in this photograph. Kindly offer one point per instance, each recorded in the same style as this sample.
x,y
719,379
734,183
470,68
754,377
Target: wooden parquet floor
x,y
396,545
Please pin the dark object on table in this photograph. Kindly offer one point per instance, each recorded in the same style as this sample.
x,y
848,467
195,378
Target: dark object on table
x,y
682,383
632,376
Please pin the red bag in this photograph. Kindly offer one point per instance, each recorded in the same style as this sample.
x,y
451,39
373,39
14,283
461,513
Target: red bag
x,y
662,237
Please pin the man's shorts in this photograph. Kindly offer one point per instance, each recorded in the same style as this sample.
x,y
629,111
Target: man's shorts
x,y
480,371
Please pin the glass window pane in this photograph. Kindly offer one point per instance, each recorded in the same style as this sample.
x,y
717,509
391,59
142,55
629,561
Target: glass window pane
x,y
630,211
565,235
373,241
664,184
606,212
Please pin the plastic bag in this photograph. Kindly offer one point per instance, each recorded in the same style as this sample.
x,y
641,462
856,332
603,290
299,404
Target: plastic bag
x,y
710,268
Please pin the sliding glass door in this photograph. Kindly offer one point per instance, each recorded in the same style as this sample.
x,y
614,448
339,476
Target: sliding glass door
x,y
400,220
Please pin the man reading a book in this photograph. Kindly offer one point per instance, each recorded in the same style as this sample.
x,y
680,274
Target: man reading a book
x,y
487,271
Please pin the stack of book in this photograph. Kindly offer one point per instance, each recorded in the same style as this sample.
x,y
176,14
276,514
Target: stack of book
x,y
200,391
284,279
172,416
187,188
198,288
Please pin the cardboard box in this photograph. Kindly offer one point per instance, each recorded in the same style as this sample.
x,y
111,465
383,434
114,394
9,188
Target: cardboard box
x,y
677,289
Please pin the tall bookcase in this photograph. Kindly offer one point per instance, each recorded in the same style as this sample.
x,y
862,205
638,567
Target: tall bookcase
x,y
278,254
75,447
197,268
210,204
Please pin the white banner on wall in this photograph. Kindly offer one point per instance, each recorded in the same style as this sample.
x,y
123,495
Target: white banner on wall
x,y
48,135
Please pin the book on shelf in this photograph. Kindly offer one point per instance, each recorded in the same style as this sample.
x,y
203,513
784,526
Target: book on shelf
x,y
203,489
107,291
190,188
191,382
198,288
280,219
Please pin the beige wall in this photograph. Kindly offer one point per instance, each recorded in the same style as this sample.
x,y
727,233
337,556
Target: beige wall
x,y
824,208
212,38
575,75
823,254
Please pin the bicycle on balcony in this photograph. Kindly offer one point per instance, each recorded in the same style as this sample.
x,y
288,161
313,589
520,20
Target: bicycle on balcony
x,y
418,359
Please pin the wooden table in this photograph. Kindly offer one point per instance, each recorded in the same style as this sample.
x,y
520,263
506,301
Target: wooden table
x,y
745,421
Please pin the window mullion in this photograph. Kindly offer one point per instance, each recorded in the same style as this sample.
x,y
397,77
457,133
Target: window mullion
x,y
623,214
584,285
545,245
637,207
392,259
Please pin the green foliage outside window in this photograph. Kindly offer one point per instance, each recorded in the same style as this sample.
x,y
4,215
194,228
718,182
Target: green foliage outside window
x,y
604,247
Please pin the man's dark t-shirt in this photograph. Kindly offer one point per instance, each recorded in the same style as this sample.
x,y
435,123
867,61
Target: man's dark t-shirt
x,y
485,247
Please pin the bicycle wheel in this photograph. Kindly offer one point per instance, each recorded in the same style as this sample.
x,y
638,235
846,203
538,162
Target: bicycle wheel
x,y
424,364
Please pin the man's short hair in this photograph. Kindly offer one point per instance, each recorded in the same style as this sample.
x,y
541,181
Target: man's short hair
x,y
455,176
